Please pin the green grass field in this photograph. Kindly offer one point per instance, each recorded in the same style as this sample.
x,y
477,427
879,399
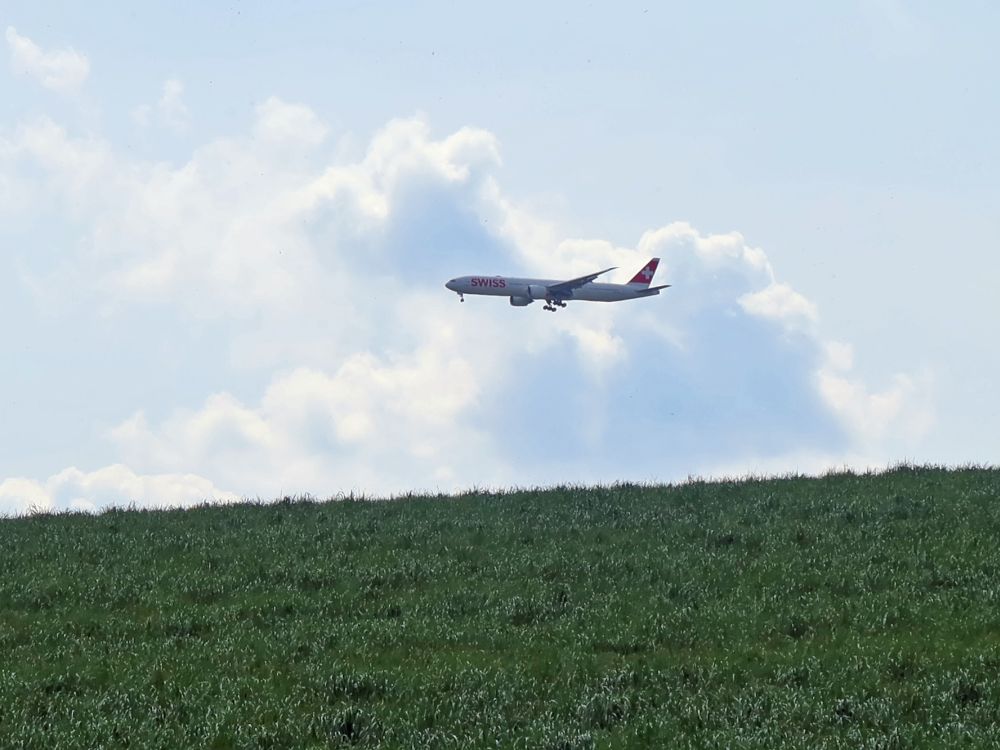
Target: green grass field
x,y
846,611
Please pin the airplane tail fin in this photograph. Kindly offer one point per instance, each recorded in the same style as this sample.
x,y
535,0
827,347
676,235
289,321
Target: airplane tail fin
x,y
641,280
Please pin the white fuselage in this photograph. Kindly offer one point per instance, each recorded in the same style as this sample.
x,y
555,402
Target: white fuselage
x,y
510,286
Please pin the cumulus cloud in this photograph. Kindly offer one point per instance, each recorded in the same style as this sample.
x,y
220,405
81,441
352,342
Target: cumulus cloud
x,y
781,303
901,411
116,485
63,70
171,104
372,425
170,109
282,122
326,276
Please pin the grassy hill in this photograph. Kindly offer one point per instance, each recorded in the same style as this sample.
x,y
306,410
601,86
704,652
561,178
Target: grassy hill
x,y
846,611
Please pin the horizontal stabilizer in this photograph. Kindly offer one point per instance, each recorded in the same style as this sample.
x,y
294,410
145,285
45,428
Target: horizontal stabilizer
x,y
651,291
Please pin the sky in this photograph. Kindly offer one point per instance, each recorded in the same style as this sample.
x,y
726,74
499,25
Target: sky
x,y
225,231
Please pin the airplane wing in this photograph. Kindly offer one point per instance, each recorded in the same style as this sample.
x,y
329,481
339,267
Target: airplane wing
x,y
565,288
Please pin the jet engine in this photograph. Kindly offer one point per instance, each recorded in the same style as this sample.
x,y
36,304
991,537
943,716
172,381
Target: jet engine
x,y
520,301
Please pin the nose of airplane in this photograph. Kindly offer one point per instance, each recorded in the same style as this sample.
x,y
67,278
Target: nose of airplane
x,y
450,285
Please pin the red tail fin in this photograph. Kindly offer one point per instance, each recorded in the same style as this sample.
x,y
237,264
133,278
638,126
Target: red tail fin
x,y
646,274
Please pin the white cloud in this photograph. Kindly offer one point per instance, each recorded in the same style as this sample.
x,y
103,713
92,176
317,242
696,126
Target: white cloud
x,y
327,276
781,303
723,263
282,122
170,109
902,411
62,70
228,228
171,105
839,356
373,425
19,495
599,346
72,489
900,414
75,165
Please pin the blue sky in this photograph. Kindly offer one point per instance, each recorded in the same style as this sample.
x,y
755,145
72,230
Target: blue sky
x,y
224,233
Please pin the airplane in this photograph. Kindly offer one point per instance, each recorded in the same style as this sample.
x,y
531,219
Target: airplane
x,y
523,292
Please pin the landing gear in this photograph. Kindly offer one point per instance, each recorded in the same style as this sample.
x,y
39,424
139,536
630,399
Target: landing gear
x,y
461,297
552,304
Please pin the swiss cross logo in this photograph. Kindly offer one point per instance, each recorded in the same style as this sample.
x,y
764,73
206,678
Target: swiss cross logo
x,y
646,274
